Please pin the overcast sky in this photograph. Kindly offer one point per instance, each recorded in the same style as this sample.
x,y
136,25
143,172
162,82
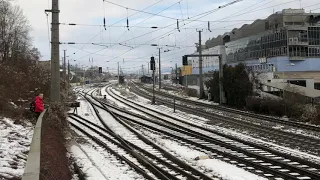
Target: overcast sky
x,y
136,43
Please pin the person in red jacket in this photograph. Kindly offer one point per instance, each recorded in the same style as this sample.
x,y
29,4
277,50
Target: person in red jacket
x,y
39,107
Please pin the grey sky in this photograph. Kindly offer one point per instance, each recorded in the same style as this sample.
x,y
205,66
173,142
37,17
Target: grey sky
x,y
93,11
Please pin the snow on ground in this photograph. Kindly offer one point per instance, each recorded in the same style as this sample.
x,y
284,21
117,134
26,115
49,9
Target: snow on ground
x,y
233,132
98,164
181,94
84,161
115,102
219,168
86,111
14,147
103,91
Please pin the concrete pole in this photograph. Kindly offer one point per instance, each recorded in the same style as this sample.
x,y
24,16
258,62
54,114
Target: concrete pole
x,y
55,54
118,75
200,67
186,75
142,70
176,73
153,93
221,91
68,76
148,68
159,70
64,66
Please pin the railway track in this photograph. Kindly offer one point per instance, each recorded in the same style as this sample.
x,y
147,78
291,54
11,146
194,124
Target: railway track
x,y
110,144
293,140
275,164
166,166
235,111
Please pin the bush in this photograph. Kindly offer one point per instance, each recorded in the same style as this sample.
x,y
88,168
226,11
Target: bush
x,y
236,83
253,104
309,113
191,92
21,84
265,106
316,120
280,108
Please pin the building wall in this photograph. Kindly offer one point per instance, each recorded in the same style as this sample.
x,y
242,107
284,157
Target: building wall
x,y
209,63
186,70
283,63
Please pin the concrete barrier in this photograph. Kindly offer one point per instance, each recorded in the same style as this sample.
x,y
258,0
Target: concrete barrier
x,y
32,169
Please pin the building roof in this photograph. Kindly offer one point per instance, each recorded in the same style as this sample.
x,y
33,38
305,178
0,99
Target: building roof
x,y
312,93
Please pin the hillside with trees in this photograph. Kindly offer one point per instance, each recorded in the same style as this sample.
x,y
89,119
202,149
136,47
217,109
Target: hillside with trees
x,y
21,78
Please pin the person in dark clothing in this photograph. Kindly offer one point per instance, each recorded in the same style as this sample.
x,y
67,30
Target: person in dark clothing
x,y
39,106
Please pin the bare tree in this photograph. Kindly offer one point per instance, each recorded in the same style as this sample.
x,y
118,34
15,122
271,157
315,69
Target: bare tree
x,y
15,42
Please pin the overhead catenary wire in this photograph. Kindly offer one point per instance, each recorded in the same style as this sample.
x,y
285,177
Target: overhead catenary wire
x,y
102,44
172,18
133,38
118,22
173,30
181,12
136,24
111,26
254,29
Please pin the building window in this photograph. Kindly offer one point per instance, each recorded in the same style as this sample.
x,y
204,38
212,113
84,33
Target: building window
x,y
314,35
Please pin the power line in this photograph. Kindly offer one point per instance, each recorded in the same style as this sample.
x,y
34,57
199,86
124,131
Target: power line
x,y
113,26
118,22
146,20
174,23
136,24
174,30
101,44
199,18
172,18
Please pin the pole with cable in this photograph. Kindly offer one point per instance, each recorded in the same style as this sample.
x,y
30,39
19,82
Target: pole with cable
x,y
159,70
200,67
55,54
68,77
118,76
64,66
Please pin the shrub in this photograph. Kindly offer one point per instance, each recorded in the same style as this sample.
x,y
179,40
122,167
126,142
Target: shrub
x,y
310,113
21,84
191,92
279,107
236,83
253,104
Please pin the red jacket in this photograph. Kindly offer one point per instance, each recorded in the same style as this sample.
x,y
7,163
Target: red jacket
x,y
39,104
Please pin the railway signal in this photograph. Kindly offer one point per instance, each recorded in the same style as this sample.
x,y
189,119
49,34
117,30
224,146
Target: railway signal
x,y
153,68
